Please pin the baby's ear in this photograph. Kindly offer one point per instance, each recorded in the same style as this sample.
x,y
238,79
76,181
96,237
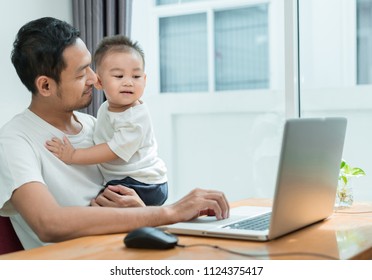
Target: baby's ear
x,y
98,84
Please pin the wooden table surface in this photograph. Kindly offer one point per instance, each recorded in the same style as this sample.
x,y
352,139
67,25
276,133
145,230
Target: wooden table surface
x,y
347,234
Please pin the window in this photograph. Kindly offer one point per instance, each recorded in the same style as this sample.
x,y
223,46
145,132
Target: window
x,y
215,88
335,60
166,2
364,41
230,139
240,48
183,53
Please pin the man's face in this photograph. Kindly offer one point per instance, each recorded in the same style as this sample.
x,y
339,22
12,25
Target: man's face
x,y
77,79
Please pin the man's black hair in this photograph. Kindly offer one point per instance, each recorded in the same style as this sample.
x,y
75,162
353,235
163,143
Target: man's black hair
x,y
38,49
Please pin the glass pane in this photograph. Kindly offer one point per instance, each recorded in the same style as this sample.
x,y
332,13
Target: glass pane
x,y
335,58
167,2
183,53
364,41
241,48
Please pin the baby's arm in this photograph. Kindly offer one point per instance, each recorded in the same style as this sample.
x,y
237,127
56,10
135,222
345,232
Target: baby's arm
x,y
68,154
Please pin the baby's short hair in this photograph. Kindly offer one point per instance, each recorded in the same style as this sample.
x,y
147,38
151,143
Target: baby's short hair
x,y
116,43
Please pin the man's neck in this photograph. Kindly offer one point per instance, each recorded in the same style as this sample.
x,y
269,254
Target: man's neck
x,y
64,121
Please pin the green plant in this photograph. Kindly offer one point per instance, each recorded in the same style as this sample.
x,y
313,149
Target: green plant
x,y
347,172
344,196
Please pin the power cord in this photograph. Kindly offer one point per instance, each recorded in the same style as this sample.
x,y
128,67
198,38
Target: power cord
x,y
260,255
350,212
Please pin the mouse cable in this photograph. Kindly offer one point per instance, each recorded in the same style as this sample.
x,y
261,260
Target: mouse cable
x,y
260,255
350,212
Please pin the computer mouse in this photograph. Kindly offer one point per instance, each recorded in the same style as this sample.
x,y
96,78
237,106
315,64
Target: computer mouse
x,y
150,238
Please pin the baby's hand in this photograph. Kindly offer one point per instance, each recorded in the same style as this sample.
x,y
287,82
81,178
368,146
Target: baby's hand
x,y
62,150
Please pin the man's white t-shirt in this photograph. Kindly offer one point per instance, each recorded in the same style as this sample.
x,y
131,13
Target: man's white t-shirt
x,y
24,159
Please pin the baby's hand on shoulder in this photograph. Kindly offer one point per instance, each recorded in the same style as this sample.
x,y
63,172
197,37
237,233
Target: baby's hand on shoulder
x,y
62,150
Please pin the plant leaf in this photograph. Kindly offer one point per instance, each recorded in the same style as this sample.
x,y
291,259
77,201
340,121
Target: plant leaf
x,y
356,171
344,179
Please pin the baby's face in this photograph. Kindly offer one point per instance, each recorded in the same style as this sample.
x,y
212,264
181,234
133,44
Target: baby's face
x,y
122,78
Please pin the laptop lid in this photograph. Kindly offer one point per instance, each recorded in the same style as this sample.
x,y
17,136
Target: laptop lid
x,y
305,188
308,172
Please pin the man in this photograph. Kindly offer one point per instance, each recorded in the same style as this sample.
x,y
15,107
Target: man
x,y
46,199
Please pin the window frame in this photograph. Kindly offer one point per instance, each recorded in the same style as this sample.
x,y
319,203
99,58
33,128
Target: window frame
x,y
209,7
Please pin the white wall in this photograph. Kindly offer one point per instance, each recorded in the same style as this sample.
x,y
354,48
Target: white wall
x,y
14,96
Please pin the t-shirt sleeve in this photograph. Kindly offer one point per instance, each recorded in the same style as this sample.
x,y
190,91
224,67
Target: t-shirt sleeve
x,y
127,140
19,165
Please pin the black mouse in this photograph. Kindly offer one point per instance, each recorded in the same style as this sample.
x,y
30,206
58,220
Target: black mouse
x,y
150,238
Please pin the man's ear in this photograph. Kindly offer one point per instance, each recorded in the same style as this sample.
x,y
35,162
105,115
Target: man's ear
x,y
44,85
98,84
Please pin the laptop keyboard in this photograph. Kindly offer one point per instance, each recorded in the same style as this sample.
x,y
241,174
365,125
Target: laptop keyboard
x,y
261,222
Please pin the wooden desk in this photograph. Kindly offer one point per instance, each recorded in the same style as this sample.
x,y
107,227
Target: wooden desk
x,y
341,236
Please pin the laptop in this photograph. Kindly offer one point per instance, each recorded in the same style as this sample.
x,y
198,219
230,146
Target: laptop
x,y
305,190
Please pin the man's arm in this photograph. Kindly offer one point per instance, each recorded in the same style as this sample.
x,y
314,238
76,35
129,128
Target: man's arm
x,y
54,223
68,154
